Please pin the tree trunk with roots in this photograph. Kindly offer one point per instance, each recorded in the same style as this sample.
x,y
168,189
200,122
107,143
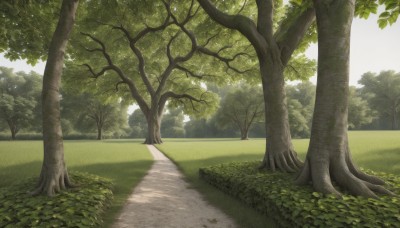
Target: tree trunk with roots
x,y
274,50
279,153
328,158
54,175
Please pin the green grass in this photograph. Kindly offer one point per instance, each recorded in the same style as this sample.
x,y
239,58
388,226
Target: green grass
x,y
375,150
124,162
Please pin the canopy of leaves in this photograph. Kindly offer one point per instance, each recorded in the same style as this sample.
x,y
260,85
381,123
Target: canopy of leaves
x,y
387,17
156,48
26,28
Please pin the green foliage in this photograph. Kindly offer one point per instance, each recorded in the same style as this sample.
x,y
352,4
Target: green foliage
x,y
383,94
360,113
242,106
26,28
387,17
300,102
19,93
88,112
298,206
172,124
82,206
138,124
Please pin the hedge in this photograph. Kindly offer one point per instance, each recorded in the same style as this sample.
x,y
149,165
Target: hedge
x,y
290,205
77,207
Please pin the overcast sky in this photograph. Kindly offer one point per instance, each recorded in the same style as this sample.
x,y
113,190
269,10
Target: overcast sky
x,y
372,49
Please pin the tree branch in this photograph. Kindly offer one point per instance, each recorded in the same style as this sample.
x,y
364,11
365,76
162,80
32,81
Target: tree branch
x,y
238,22
134,91
291,32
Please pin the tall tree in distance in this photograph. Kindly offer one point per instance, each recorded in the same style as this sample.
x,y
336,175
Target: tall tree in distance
x,y
328,157
18,94
54,175
242,106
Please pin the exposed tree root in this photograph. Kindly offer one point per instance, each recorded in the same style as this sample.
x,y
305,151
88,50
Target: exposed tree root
x,y
52,180
284,160
153,140
344,174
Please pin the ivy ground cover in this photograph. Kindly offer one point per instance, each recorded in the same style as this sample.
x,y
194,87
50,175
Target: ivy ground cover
x,y
123,162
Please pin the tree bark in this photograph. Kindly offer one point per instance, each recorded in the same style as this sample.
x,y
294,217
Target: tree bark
x,y
154,127
328,158
54,175
279,153
274,52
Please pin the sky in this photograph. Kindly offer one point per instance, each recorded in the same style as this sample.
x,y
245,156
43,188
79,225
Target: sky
x,y
372,49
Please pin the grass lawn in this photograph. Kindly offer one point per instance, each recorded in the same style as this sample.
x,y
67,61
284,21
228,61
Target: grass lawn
x,y
376,150
125,162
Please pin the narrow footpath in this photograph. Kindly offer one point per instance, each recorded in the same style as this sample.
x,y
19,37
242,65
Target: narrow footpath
x,y
164,199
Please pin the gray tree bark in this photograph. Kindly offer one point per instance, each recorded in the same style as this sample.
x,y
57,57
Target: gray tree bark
x,y
328,158
54,175
154,126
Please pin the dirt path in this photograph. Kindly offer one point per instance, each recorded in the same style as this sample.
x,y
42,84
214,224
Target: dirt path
x,y
164,199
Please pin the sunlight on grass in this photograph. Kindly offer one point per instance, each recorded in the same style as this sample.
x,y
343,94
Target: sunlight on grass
x,y
124,162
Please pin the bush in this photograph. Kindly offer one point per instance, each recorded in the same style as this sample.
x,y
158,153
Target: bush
x,y
77,207
274,193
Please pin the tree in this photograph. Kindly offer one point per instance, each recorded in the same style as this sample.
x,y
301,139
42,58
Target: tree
x,y
54,175
360,113
18,93
161,71
385,94
138,124
172,124
328,157
242,106
301,99
92,113
274,50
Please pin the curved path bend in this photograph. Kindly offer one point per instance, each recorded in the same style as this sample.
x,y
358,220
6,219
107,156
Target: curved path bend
x,y
164,199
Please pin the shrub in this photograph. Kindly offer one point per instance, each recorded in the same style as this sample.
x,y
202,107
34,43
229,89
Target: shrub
x,y
77,207
274,193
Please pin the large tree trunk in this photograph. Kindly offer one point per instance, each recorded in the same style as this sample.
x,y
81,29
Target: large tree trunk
x,y
328,158
54,175
154,128
279,149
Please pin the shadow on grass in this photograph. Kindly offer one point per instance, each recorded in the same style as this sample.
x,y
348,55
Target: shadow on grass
x,y
12,174
124,175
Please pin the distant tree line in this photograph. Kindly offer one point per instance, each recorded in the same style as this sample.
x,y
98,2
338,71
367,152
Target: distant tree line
x,y
374,106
